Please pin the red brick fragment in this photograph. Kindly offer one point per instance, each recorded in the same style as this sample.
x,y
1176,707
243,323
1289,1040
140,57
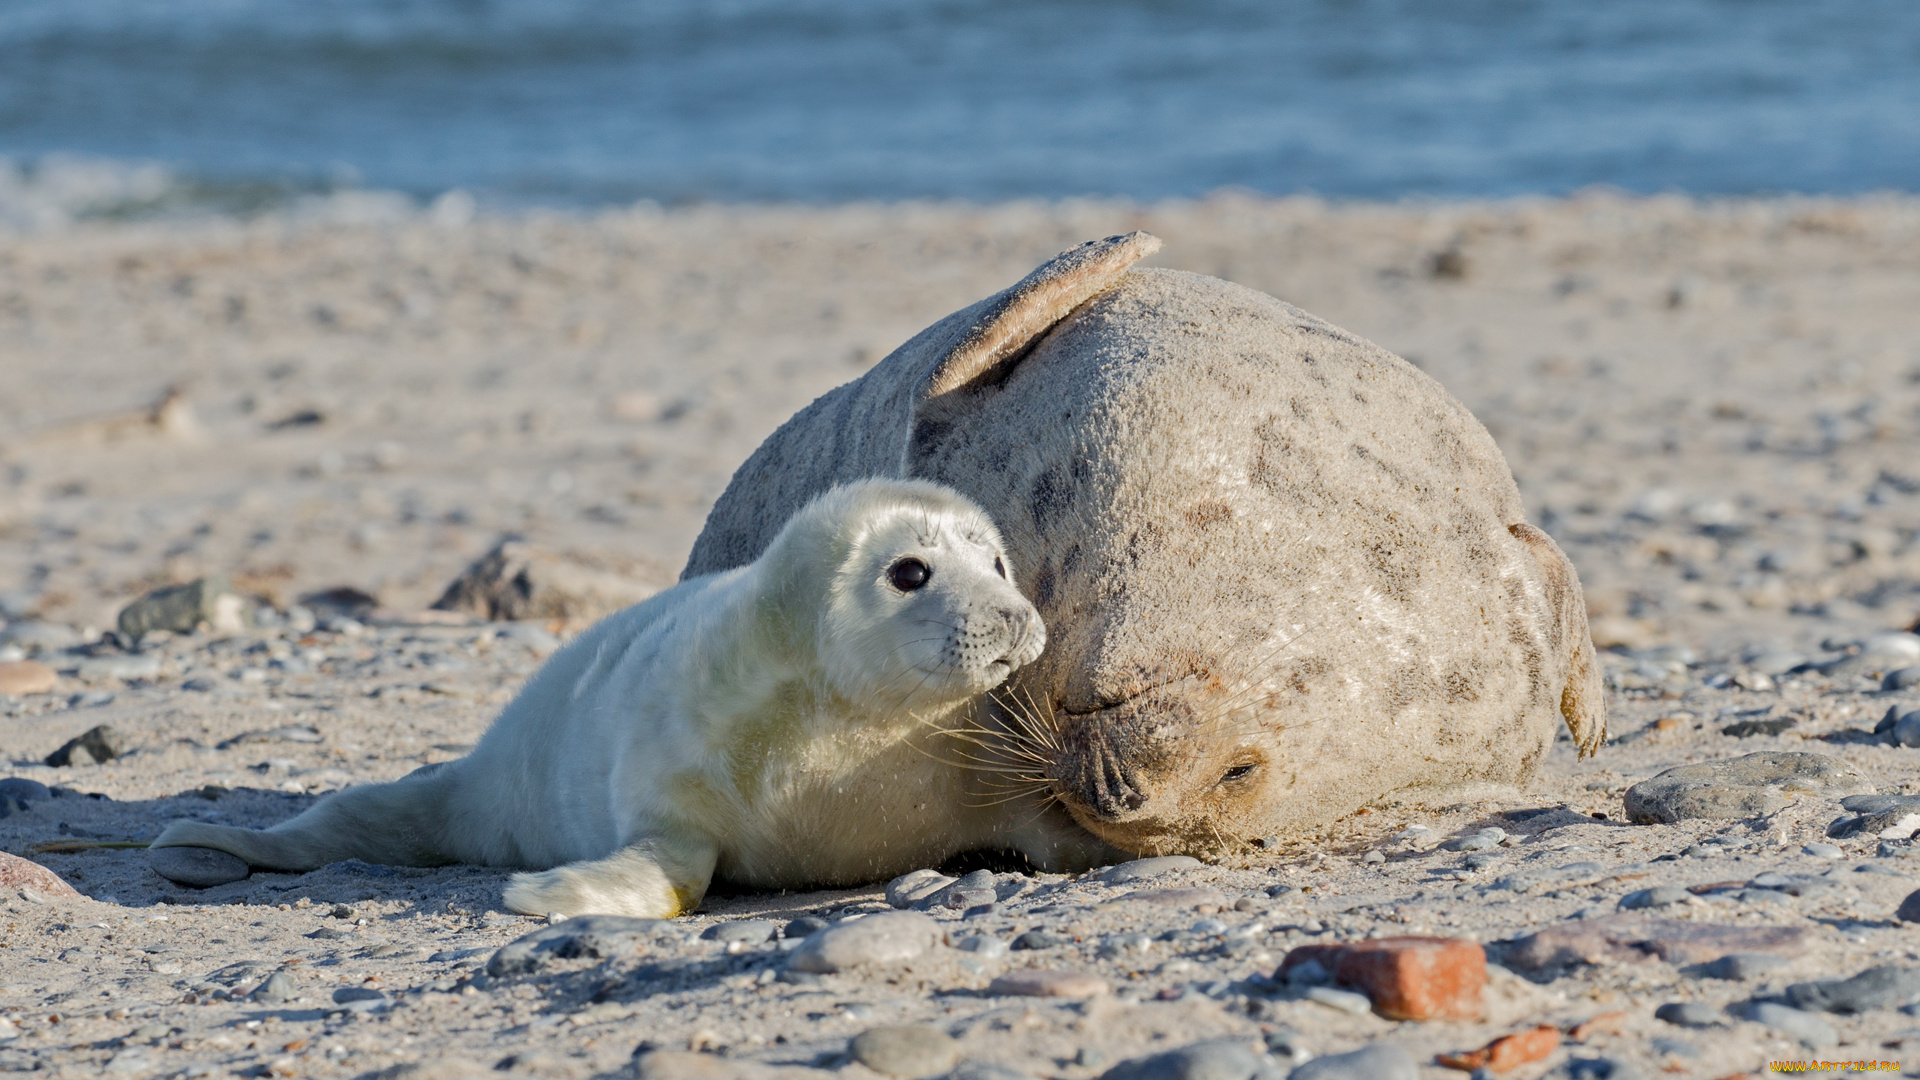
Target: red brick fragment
x,y
1607,1023
1507,1051
1406,978
28,876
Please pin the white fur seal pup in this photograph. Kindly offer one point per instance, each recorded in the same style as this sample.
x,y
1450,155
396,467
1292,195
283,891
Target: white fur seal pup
x,y
769,724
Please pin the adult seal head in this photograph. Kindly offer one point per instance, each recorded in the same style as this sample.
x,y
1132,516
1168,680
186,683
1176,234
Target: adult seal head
x,y
1284,572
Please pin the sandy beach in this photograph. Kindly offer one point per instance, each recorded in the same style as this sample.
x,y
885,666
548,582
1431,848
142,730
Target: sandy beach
x,y
1714,407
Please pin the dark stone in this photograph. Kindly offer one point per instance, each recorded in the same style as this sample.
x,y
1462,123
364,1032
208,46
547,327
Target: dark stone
x,y
750,931
1690,1014
359,998
595,936
1741,966
1746,729
1038,939
175,608
1381,1061
23,791
1882,987
95,745
1632,936
802,926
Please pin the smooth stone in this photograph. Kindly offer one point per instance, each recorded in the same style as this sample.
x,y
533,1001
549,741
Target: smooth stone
x,y
991,948
278,989
1823,851
751,931
1884,987
20,678
1142,869
911,888
1742,966
1186,898
359,999
124,668
1629,936
1660,896
1909,909
40,637
1902,678
90,747
1214,1059
804,925
985,1070
22,790
1874,804
1791,884
1483,840
18,875
197,867
906,1050
1805,1026
889,937
1688,1014
594,936
1344,1000
1777,662
181,608
1741,787
1747,729
1035,982
1038,939
1381,1061
1906,730
293,733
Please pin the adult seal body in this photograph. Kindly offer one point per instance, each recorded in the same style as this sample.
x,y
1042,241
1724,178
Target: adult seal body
x,y
1285,573
776,725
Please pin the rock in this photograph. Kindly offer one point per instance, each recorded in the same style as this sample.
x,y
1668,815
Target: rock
x,y
1214,1059
1690,1014
1345,1001
1508,1051
1884,987
18,875
1742,966
1181,898
1747,729
21,792
1741,787
1142,869
90,747
1902,678
598,937
909,889
38,638
985,1070
1791,884
1035,982
123,668
1038,939
1909,909
1482,840
439,1068
1381,1061
1906,730
293,733
20,678
182,608
1631,937
360,999
278,989
1660,896
749,931
1405,978
890,937
197,867
1823,851
906,1050
517,580
804,925
692,1065
987,946
971,890
1808,1028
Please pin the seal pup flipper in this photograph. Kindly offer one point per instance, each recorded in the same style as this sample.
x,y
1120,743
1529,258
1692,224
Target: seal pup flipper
x,y
1582,700
396,824
656,878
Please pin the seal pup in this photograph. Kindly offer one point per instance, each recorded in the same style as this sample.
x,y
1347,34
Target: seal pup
x,y
769,724
1285,574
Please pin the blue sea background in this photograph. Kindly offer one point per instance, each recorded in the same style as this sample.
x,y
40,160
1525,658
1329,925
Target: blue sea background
x,y
584,102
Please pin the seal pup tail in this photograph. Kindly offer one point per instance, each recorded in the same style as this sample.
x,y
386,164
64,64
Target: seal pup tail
x,y
401,823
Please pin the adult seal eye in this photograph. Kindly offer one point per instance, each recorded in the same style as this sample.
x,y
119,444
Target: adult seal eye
x,y
909,574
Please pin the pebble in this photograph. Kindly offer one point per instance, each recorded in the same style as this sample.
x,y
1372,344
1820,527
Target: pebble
x,y
1344,1000
1909,909
1805,1026
90,747
1823,851
197,867
40,637
22,791
1660,896
1741,787
1742,966
911,888
359,999
1037,982
595,936
1142,869
1381,1061
123,668
1902,678
1906,730
804,925
181,608
25,875
1214,1059
1039,939
985,1070
749,931
889,937
1688,1014
1884,987
1483,840
278,989
20,678
972,890
906,1050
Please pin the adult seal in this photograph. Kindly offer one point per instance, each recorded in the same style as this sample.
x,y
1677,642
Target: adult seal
x,y
1285,573
778,725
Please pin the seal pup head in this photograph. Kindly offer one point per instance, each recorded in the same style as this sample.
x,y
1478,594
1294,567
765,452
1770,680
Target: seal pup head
x,y
919,607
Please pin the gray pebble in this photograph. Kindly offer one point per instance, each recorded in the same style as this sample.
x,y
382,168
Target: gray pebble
x,y
906,1050
985,1070
1876,868
1823,851
1345,1000
1374,857
1741,787
40,637
124,668
1483,840
985,945
911,888
1791,884
751,931
1214,1059
1742,966
359,999
21,790
1808,1028
1141,869
277,989
1689,1014
802,926
592,936
1660,896
1381,1061
197,867
1038,939
1884,987
178,608
1902,678
1209,928
1906,730
1119,945
887,938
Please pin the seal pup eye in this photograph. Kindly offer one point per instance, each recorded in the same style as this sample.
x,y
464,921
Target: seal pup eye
x,y
999,567
1239,772
909,574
